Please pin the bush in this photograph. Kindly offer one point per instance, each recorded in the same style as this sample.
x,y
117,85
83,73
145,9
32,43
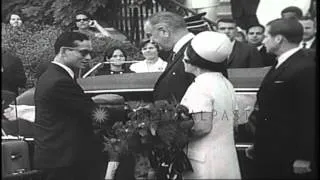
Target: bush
x,y
34,44
30,43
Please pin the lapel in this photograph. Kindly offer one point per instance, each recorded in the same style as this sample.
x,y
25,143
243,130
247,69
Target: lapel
x,y
233,53
174,61
274,73
263,50
63,72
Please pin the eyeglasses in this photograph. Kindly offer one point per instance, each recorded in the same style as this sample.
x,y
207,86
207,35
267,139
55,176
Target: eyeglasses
x,y
83,19
83,52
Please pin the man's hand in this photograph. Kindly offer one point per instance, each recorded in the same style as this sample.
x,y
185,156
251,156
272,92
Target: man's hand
x,y
301,166
24,111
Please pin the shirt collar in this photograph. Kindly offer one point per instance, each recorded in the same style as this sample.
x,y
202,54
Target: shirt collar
x,y
259,47
182,42
308,43
69,71
283,57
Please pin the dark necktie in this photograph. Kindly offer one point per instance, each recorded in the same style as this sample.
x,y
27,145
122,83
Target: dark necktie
x,y
304,45
263,50
171,56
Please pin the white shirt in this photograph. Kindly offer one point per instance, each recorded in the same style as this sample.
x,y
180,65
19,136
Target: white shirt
x,y
182,42
141,67
308,43
69,71
283,57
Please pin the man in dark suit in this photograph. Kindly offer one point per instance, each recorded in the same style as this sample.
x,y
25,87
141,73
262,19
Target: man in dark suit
x,y
170,31
13,75
65,146
255,36
284,142
242,55
309,33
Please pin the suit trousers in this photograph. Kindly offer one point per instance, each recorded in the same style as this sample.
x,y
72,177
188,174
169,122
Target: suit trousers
x,y
78,171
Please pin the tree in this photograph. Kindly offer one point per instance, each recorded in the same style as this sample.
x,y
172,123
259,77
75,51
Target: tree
x,y
58,12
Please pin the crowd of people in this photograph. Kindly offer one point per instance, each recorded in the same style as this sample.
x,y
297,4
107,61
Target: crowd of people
x,y
195,75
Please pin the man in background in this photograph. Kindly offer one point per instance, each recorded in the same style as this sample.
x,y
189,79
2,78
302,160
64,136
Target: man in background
x,y
284,142
309,33
291,12
255,36
242,55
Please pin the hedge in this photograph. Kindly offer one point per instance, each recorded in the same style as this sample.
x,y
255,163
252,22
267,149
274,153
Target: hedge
x,y
33,44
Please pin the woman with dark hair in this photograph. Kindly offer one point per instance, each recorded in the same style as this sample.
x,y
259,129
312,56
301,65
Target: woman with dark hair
x,y
86,25
15,20
152,62
114,59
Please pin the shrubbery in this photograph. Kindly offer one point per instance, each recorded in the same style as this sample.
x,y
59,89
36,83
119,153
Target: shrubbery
x,y
33,44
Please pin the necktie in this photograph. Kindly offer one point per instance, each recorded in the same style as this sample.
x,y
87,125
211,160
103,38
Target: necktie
x,y
171,56
304,45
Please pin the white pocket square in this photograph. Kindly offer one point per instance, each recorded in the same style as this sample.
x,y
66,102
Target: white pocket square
x,y
277,82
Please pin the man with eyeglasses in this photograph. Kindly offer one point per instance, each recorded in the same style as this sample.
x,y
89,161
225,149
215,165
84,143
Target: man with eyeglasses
x,y
65,147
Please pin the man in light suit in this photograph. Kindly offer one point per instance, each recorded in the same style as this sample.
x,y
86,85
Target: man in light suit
x,y
242,55
65,146
285,129
170,31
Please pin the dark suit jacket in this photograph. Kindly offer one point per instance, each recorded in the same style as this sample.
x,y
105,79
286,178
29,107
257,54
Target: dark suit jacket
x,y
285,129
314,44
63,126
13,75
244,56
174,81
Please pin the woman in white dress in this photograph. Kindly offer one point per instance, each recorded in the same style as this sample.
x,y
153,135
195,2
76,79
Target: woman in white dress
x,y
211,101
152,62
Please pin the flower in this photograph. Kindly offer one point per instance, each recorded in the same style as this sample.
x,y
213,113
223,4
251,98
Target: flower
x,y
162,129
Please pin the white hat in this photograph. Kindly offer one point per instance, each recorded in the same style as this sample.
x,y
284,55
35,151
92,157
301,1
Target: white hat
x,y
212,46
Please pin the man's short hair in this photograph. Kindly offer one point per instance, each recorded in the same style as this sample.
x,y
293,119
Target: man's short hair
x,y
291,29
255,25
226,20
173,20
67,39
293,9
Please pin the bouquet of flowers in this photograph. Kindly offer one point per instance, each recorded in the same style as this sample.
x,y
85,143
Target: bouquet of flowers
x,y
158,132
